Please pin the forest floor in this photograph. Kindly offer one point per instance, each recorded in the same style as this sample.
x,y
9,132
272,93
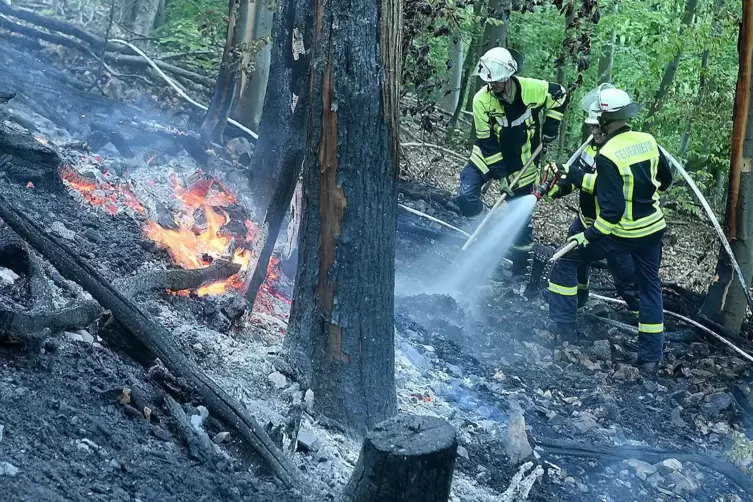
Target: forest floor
x,y
68,431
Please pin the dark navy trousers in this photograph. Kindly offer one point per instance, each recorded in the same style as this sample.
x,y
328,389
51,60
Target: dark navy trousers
x,y
620,266
646,253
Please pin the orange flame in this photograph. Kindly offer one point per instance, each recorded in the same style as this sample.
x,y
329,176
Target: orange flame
x,y
190,245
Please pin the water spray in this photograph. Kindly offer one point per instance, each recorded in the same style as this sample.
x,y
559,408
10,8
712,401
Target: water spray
x,y
502,198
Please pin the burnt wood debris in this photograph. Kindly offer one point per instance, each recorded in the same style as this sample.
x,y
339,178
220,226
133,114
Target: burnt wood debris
x,y
157,344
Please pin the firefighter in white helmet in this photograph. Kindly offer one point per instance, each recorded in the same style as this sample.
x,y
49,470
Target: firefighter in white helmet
x,y
632,172
621,266
507,121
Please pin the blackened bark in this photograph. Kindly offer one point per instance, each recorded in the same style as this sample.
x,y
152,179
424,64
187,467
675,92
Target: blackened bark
x,y
287,76
726,302
230,69
281,145
341,332
405,459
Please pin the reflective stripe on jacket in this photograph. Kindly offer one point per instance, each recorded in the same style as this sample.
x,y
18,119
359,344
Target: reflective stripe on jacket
x,y
508,134
631,173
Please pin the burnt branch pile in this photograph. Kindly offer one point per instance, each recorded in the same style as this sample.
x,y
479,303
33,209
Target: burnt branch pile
x,y
148,332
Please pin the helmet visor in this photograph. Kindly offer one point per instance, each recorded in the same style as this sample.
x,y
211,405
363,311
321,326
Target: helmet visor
x,y
592,100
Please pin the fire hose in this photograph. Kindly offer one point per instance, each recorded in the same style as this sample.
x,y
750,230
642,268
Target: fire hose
x,y
714,222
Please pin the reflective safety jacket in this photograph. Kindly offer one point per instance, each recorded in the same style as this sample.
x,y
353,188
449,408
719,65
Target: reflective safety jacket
x,y
508,134
588,204
631,174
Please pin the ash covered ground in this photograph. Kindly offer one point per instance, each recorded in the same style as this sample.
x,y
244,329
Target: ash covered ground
x,y
74,423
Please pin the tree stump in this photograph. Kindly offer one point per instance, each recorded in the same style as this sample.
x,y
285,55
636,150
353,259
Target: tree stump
x,y
407,458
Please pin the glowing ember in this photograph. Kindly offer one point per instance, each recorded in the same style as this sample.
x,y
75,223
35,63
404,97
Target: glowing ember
x,y
100,193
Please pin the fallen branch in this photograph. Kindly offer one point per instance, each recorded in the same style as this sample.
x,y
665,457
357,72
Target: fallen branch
x,y
435,220
177,279
689,321
143,328
199,445
650,455
86,42
32,324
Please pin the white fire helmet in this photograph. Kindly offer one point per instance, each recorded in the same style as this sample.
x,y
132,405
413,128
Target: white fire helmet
x,y
498,64
607,103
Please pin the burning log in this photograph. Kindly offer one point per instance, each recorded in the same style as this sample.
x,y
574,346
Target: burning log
x,y
405,459
177,279
144,329
30,160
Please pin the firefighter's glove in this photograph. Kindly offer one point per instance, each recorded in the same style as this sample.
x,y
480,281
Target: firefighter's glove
x,y
571,173
504,187
553,193
580,238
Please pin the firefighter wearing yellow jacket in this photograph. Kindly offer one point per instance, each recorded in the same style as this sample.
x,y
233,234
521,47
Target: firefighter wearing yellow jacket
x,y
632,172
620,266
506,116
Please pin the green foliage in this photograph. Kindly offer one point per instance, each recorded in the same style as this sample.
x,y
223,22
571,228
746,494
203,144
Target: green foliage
x,y
194,25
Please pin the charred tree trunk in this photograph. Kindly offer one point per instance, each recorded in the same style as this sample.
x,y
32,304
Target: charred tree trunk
x,y
669,72
281,146
725,302
341,331
230,69
254,87
405,459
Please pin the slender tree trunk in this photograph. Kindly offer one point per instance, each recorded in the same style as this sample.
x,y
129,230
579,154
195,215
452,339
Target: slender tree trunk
x,y
495,35
341,331
159,18
471,57
562,75
725,302
230,69
452,92
670,71
606,63
254,88
146,12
